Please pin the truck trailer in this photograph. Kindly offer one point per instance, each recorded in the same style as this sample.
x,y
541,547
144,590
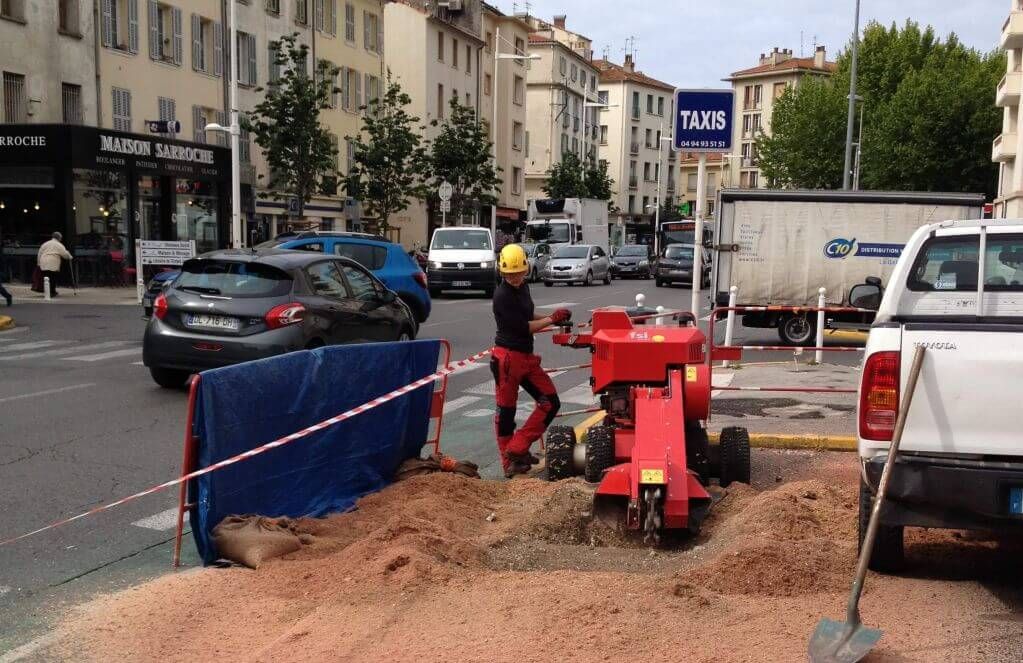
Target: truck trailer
x,y
779,247
568,221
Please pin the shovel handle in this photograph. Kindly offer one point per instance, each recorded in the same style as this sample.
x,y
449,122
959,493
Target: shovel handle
x,y
853,609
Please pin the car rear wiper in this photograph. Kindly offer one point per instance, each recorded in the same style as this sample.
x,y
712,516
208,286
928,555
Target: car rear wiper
x,y
200,289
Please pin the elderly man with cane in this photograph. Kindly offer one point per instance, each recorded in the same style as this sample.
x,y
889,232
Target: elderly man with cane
x,y
50,255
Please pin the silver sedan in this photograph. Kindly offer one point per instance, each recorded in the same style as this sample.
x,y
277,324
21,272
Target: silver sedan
x,y
578,263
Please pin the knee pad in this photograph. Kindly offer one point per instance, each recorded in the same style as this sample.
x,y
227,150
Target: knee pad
x,y
505,421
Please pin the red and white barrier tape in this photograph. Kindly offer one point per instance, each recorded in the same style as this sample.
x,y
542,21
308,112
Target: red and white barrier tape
x,y
369,405
567,368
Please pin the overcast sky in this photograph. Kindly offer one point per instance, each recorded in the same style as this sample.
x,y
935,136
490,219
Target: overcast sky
x,y
696,44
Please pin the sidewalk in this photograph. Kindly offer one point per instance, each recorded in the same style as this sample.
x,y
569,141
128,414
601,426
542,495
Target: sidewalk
x,y
92,296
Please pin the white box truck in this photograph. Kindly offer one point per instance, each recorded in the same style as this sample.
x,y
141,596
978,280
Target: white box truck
x,y
568,221
778,247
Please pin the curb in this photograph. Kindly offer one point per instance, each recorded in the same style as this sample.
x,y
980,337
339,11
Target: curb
x,y
6,322
807,442
846,335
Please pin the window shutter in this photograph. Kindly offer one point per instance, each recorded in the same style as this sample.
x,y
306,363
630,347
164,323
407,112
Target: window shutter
x,y
318,14
333,17
251,41
345,89
198,125
108,23
133,26
222,136
218,49
196,43
380,35
178,40
154,30
365,29
358,92
333,90
370,94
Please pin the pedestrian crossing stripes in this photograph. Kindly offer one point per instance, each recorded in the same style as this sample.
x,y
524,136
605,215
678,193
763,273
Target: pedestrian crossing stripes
x,y
107,355
62,351
68,350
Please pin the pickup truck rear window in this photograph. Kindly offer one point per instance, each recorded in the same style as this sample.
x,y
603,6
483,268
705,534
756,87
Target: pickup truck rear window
x,y
951,264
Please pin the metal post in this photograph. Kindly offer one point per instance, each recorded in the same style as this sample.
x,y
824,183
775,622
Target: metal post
x,y
237,236
657,207
859,151
659,320
701,185
818,356
493,126
46,288
733,294
852,100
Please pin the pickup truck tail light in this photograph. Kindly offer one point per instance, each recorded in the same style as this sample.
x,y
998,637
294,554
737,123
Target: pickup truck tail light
x,y
879,396
284,315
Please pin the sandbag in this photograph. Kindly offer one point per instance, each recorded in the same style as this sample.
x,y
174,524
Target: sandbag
x,y
251,540
436,463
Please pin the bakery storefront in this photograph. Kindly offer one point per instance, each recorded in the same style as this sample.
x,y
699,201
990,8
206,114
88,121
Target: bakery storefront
x,y
104,189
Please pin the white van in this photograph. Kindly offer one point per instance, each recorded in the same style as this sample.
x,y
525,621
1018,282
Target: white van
x,y
462,258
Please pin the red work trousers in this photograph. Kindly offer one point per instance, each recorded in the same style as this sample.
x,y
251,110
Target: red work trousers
x,y
512,370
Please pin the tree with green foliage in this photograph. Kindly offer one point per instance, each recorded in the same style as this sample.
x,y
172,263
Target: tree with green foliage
x,y
461,156
286,124
571,179
928,117
390,164
597,183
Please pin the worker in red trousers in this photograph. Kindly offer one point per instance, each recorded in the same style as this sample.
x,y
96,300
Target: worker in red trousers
x,y
514,365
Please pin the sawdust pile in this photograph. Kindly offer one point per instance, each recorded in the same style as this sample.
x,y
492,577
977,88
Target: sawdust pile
x,y
445,568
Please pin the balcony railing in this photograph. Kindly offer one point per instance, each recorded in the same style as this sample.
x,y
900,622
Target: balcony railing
x,y
1004,148
636,113
633,181
1012,31
1008,93
634,148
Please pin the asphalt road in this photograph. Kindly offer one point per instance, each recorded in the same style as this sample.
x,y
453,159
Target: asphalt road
x,y
82,424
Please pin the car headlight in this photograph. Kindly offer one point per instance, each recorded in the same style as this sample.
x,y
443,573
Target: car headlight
x,y
437,265
580,265
487,264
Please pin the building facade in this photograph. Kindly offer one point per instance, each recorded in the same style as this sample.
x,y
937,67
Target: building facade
x,y
1009,144
756,90
637,115
560,96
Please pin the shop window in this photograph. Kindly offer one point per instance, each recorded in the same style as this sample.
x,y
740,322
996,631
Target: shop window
x,y
165,40
207,45
15,100
68,16
71,97
122,109
100,213
196,214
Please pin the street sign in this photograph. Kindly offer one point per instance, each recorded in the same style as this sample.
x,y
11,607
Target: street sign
x,y
163,126
152,252
683,209
445,205
444,191
293,206
703,120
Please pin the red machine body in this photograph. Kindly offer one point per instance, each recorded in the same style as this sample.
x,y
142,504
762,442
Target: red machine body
x,y
652,380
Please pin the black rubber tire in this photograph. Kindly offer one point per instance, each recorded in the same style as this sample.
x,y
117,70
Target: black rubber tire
x,y
589,279
548,284
600,452
793,331
889,554
405,334
169,378
607,278
698,450
559,449
434,293
735,461
413,305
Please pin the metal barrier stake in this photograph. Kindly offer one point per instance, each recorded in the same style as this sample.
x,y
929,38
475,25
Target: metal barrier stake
x,y
821,303
733,294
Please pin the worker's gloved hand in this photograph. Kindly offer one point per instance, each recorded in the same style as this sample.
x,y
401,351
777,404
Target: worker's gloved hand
x,y
561,316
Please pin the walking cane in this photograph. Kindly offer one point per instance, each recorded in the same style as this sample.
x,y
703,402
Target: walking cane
x,y
74,278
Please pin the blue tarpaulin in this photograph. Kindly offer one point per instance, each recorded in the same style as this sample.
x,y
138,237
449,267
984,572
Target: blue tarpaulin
x,y
245,406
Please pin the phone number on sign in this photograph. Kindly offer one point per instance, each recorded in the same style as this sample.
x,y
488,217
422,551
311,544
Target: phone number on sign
x,y
703,143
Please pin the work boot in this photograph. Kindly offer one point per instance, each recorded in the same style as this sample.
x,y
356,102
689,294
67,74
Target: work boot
x,y
515,467
533,460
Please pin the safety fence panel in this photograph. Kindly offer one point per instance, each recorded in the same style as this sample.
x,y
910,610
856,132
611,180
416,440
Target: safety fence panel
x,y
241,407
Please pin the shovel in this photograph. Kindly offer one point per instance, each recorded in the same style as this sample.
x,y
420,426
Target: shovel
x,y
851,640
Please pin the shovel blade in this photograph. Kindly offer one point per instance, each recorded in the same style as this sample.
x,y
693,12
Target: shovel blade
x,y
841,642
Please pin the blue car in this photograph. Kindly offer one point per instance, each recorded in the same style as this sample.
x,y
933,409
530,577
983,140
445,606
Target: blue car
x,y
387,260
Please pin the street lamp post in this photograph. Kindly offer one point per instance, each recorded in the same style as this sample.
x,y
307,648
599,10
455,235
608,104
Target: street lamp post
x,y
234,131
859,148
657,210
852,100
498,56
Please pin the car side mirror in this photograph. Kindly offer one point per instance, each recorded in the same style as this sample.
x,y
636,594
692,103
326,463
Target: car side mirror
x,y
865,295
873,280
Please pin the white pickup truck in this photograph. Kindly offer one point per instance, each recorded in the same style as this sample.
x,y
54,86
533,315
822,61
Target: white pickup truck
x,y
957,290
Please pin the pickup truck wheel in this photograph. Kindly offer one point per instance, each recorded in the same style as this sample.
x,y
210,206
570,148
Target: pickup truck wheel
x,y
600,452
560,448
735,461
889,553
797,330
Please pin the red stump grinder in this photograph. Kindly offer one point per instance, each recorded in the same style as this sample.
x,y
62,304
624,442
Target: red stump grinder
x,y
651,453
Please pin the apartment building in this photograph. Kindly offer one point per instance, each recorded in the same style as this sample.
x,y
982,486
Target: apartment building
x,y
1008,144
560,97
637,114
756,90
505,35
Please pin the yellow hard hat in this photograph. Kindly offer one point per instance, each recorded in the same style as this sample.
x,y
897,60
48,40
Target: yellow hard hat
x,y
513,260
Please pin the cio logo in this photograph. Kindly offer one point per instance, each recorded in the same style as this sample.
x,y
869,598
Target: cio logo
x,y
839,248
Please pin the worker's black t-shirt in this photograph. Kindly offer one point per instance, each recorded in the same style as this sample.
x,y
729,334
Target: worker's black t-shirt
x,y
513,311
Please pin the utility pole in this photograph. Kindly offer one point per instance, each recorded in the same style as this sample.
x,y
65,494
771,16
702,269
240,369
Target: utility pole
x,y
847,169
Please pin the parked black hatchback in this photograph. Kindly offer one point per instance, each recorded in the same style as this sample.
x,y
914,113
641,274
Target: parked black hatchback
x,y
232,306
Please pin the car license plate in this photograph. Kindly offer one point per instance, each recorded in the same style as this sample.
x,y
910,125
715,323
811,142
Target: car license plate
x,y
1016,501
212,322
460,284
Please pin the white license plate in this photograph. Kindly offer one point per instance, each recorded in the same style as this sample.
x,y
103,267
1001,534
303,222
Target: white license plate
x,y
460,284
212,322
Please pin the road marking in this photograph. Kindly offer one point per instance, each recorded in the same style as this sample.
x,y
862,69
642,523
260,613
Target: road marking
x,y
485,412
137,363
162,521
63,351
106,355
12,332
557,305
581,394
47,392
468,368
26,650
459,403
34,345
721,379
4,589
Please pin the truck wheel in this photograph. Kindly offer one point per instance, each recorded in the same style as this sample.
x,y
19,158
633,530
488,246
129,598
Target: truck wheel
x,y
698,450
560,447
600,452
797,330
735,464
889,553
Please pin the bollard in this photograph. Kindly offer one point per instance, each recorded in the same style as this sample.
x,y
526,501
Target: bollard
x,y
821,303
659,321
733,293
46,288
640,299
